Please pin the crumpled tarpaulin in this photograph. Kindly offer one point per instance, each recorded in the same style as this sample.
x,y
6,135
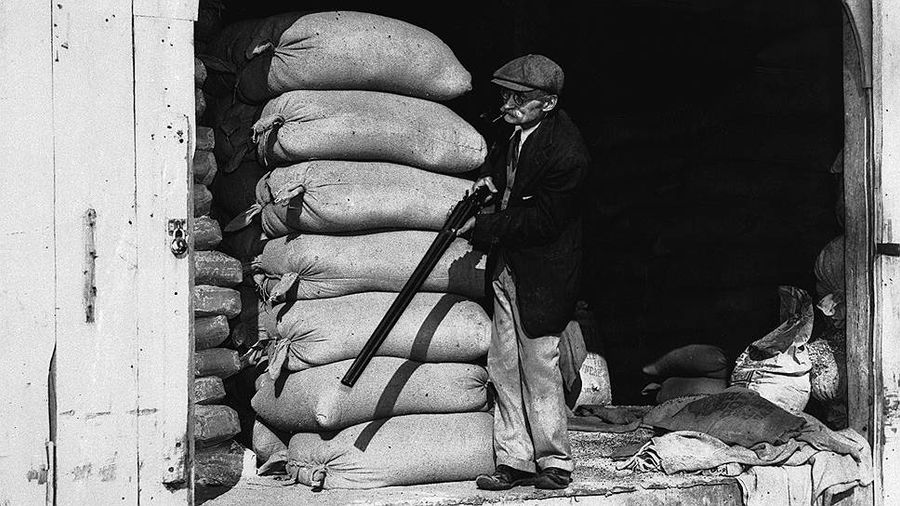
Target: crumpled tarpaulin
x,y
725,435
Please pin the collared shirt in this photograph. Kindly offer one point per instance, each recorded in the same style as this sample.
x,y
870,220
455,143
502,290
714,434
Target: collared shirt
x,y
510,169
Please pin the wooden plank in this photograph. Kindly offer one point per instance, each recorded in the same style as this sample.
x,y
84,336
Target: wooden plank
x,y
164,122
886,99
96,358
858,220
27,250
185,10
859,13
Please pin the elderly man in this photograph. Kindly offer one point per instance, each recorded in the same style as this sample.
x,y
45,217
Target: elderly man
x,y
533,239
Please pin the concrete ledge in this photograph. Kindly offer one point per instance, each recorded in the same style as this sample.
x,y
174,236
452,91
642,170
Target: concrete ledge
x,y
595,481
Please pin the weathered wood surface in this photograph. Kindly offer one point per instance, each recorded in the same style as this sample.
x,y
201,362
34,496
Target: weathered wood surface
x,y
27,250
164,132
97,364
858,254
886,352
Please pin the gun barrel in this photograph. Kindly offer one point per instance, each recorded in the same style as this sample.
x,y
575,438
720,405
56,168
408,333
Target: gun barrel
x,y
462,211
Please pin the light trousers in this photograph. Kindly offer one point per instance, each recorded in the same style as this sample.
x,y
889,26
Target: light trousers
x,y
530,416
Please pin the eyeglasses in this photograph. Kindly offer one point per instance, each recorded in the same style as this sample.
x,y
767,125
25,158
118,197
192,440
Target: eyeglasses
x,y
521,98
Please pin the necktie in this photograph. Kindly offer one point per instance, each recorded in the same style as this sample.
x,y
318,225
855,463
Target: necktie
x,y
512,161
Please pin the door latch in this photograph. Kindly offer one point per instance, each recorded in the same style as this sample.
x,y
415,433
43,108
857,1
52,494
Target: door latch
x,y
177,232
890,249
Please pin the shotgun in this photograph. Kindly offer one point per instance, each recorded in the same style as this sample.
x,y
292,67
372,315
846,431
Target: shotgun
x,y
462,211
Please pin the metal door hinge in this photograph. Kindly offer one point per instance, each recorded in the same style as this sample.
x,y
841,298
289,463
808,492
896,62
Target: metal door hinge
x,y
178,233
891,249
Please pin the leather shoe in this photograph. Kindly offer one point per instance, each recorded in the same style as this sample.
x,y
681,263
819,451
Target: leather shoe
x,y
553,478
504,478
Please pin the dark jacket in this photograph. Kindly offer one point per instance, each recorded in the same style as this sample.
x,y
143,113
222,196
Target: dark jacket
x,y
539,233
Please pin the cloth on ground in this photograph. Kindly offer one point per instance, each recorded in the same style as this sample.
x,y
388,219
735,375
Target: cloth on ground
x,y
817,480
597,418
833,462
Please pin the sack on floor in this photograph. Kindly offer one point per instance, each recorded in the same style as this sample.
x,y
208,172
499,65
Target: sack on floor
x,y
330,196
338,50
691,361
777,365
369,126
435,327
595,385
314,266
267,442
402,450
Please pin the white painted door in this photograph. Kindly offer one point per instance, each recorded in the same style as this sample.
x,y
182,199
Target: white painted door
x,y
95,152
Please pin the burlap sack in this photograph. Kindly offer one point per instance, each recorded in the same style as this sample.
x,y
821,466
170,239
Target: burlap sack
x,y
315,399
403,450
343,196
338,50
691,361
329,266
435,327
366,125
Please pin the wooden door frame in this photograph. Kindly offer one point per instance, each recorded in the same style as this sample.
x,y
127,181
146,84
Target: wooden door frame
x,y
872,185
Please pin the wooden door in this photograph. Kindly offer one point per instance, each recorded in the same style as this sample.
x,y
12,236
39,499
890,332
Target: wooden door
x,y
96,409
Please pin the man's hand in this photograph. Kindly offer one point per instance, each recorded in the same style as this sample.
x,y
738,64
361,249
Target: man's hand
x,y
484,181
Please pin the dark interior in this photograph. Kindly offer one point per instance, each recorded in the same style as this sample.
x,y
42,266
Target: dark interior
x,y
713,126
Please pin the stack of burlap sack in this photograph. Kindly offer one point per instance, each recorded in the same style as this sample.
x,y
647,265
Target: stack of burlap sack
x,y
339,166
790,366
216,304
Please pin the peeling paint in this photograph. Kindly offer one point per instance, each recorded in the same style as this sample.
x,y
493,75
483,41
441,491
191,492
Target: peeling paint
x,y
81,473
108,472
891,408
39,475
142,412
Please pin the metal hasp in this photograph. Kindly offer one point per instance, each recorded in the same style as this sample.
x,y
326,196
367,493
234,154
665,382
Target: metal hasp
x,y
890,249
462,211
179,245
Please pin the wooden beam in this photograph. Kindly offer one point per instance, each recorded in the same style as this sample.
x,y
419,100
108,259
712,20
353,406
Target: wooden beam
x,y
27,250
886,120
164,133
96,245
859,216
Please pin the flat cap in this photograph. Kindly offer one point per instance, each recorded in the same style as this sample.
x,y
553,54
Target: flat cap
x,y
530,72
